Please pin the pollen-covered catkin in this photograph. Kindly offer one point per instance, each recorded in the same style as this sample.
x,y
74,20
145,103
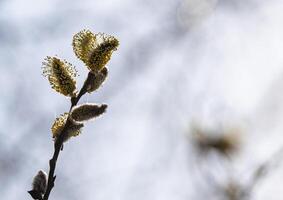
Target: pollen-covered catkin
x,y
61,75
83,43
94,50
74,129
86,112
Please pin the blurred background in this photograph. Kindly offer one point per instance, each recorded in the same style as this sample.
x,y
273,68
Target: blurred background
x,y
194,94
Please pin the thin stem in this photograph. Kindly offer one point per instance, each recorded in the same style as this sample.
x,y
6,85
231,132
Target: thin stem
x,y
59,141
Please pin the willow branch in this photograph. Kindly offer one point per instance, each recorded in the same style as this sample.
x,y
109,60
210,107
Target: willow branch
x,y
58,144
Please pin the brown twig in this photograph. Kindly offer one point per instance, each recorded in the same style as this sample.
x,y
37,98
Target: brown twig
x,y
58,144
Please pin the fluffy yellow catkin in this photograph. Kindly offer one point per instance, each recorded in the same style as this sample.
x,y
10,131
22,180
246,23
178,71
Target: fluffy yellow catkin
x,y
86,112
94,50
83,43
73,130
61,75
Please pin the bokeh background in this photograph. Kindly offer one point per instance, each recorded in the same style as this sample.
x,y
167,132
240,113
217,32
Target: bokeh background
x,y
214,63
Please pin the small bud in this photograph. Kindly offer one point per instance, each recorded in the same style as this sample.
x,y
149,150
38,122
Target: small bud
x,y
73,130
61,75
39,185
86,112
97,79
94,50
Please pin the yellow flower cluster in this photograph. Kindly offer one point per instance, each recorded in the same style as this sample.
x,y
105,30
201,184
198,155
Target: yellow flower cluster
x,y
73,130
61,75
94,50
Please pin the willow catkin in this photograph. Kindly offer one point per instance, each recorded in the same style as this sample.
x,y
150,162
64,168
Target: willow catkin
x,y
61,75
83,43
94,50
39,182
97,79
74,129
87,112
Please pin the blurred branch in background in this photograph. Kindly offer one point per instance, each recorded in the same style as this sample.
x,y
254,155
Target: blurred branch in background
x,y
215,151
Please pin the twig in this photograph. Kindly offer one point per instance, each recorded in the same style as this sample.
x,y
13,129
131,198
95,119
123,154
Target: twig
x,y
262,171
58,144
